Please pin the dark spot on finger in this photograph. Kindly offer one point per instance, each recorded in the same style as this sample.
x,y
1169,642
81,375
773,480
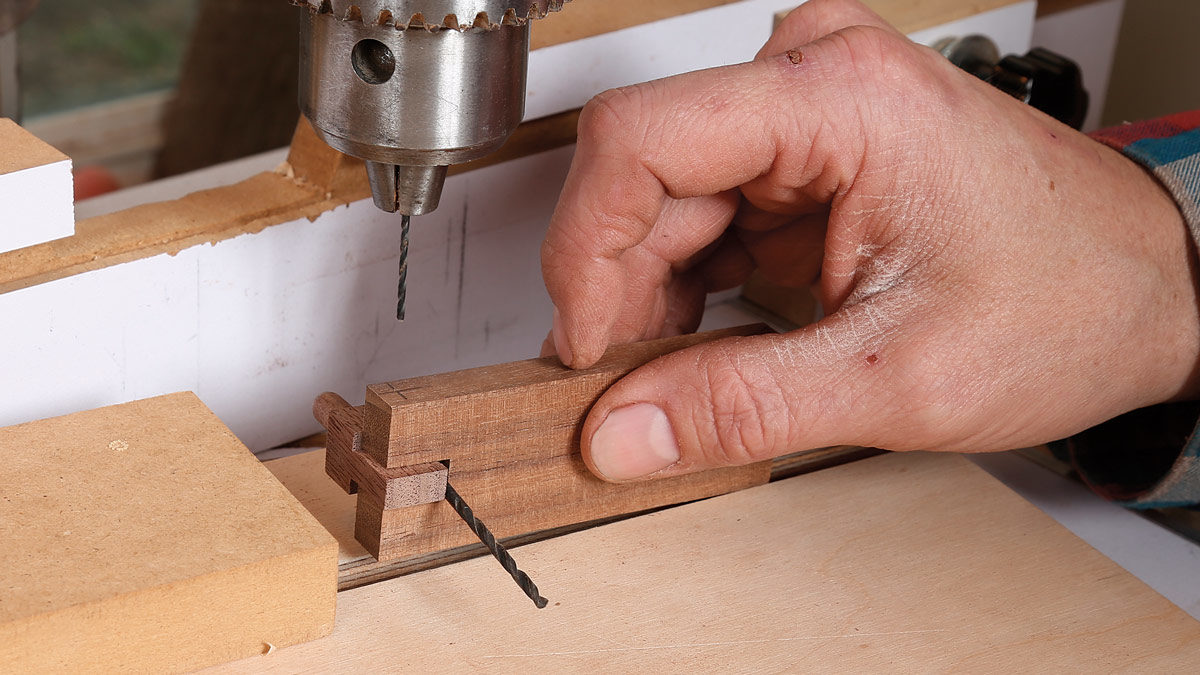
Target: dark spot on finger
x,y
1052,188
872,359
795,56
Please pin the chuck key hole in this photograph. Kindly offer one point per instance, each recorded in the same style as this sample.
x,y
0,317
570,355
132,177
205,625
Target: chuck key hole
x,y
373,61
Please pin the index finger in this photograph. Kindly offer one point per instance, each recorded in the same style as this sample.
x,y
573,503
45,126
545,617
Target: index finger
x,y
787,120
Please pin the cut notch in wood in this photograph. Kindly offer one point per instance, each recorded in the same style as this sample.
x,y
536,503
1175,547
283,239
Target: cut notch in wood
x,y
511,432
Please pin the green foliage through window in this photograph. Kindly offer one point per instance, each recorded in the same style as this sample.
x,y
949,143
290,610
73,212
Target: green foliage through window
x,y
79,52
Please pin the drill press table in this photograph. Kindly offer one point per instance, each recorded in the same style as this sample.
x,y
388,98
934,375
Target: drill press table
x,y
899,562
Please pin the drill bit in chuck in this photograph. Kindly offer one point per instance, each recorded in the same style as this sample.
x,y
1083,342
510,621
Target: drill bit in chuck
x,y
402,294
415,86
498,550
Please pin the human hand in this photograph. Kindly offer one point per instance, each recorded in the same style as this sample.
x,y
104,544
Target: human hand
x,y
992,279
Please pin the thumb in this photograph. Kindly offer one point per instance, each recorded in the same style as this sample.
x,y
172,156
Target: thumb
x,y
740,400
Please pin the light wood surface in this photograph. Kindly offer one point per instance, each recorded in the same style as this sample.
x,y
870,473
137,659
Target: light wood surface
x,y
587,18
145,538
304,475
913,562
914,15
510,433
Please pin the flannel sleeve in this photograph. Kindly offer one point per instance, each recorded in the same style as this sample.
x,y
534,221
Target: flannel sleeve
x,y
1136,459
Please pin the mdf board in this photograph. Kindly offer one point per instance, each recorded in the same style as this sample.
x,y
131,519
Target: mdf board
x,y
36,190
145,537
903,562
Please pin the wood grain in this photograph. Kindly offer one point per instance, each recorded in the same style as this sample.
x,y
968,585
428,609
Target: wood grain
x,y
146,538
510,434
380,489
900,563
520,405
304,475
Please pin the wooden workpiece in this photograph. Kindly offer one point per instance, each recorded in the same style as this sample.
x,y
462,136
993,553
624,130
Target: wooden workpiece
x,y
304,476
145,538
905,562
510,434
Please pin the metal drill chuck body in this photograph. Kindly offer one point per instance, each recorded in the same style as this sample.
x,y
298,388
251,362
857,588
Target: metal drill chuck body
x,y
430,14
385,81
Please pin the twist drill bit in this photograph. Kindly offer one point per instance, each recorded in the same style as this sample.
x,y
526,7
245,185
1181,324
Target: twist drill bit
x,y
402,293
489,540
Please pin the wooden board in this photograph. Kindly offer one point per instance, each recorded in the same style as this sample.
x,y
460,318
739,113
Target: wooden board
x,y
510,435
304,476
901,563
145,538
35,190
914,15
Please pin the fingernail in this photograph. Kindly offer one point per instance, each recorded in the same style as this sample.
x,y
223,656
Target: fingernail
x,y
633,442
560,340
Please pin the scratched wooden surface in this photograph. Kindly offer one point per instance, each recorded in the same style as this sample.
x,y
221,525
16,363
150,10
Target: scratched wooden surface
x,y
896,563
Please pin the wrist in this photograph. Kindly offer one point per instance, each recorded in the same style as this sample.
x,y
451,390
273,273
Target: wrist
x,y
1166,149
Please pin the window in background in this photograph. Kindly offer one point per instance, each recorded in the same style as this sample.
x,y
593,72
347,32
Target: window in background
x,y
75,53
95,79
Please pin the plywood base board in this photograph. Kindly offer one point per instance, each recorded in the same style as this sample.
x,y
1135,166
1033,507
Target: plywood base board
x,y
897,563
304,475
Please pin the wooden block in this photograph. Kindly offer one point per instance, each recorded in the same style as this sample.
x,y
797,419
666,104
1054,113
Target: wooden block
x,y
899,563
518,405
302,474
36,190
145,537
311,160
511,436
380,489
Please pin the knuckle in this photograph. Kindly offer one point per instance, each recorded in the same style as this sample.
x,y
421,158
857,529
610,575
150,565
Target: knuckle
x,y
926,396
610,115
873,54
744,411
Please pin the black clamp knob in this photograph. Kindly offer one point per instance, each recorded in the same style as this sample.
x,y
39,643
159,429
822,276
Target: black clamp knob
x,y
1045,80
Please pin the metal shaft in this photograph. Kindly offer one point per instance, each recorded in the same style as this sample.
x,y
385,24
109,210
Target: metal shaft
x,y
489,540
402,293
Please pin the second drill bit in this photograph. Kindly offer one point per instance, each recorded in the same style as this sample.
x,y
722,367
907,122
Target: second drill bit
x,y
402,294
497,549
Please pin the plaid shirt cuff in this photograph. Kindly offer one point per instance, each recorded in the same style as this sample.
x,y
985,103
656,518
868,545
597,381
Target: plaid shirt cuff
x,y
1135,459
